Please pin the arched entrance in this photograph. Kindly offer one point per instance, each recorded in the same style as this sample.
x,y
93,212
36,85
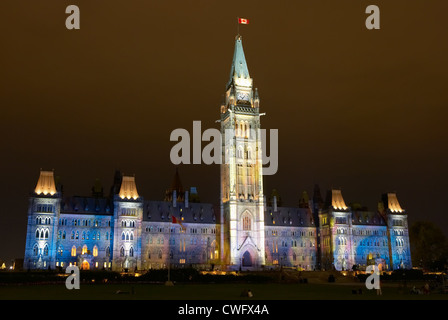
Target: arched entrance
x,y
85,265
247,259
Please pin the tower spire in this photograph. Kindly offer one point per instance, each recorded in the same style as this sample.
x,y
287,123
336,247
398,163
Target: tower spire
x,y
239,69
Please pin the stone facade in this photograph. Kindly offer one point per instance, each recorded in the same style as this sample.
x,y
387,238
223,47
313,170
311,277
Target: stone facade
x,y
123,231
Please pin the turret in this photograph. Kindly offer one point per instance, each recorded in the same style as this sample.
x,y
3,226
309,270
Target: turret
x,y
397,230
43,214
127,226
256,99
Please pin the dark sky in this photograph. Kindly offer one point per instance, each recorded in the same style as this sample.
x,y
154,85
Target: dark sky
x,y
356,109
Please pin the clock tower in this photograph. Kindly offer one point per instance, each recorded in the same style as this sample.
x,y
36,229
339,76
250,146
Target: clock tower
x,y
242,200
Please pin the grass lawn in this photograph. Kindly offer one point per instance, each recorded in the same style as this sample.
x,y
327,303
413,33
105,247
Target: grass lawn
x,y
271,291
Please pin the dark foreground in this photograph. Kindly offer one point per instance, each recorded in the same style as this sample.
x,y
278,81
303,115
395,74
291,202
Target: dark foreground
x,y
268,291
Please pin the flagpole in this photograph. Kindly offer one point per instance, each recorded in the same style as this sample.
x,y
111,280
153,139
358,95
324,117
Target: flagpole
x,y
237,26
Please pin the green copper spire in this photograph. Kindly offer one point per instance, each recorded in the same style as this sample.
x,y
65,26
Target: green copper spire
x,y
239,66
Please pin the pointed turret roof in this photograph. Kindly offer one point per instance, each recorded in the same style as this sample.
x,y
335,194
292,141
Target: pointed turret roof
x,y
335,200
128,188
239,66
45,184
176,183
391,203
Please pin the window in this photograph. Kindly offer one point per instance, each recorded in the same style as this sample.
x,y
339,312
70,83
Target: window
x,y
73,253
121,252
246,223
84,249
95,251
131,252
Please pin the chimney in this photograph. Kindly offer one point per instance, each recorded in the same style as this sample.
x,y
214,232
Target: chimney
x,y
174,198
186,199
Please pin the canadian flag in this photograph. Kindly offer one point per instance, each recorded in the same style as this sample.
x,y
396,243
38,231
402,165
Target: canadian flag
x,y
243,21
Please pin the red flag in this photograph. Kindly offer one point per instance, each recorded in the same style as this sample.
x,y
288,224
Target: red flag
x,y
243,21
174,220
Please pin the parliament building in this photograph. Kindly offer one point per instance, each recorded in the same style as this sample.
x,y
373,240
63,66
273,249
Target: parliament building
x,y
247,230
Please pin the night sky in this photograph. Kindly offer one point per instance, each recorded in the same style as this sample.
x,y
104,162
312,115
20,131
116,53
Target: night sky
x,y
357,109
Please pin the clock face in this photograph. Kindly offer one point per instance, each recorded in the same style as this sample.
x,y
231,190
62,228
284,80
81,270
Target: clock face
x,y
243,96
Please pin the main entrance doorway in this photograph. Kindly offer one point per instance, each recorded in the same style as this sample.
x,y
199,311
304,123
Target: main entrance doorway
x,y
247,259
85,265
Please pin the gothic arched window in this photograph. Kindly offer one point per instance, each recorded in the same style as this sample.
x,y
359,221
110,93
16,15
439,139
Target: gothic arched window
x,y
246,223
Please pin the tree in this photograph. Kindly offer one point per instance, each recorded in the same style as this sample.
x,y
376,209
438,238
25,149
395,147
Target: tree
x,y
429,246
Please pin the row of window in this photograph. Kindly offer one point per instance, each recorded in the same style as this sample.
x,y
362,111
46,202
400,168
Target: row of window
x,y
288,233
127,236
43,220
42,234
105,264
369,232
284,244
84,222
128,223
244,129
44,208
40,251
294,257
172,241
213,253
128,212
397,222
159,229
96,235
84,251
342,241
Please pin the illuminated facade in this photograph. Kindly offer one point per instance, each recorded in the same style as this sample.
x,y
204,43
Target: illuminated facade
x,y
122,231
